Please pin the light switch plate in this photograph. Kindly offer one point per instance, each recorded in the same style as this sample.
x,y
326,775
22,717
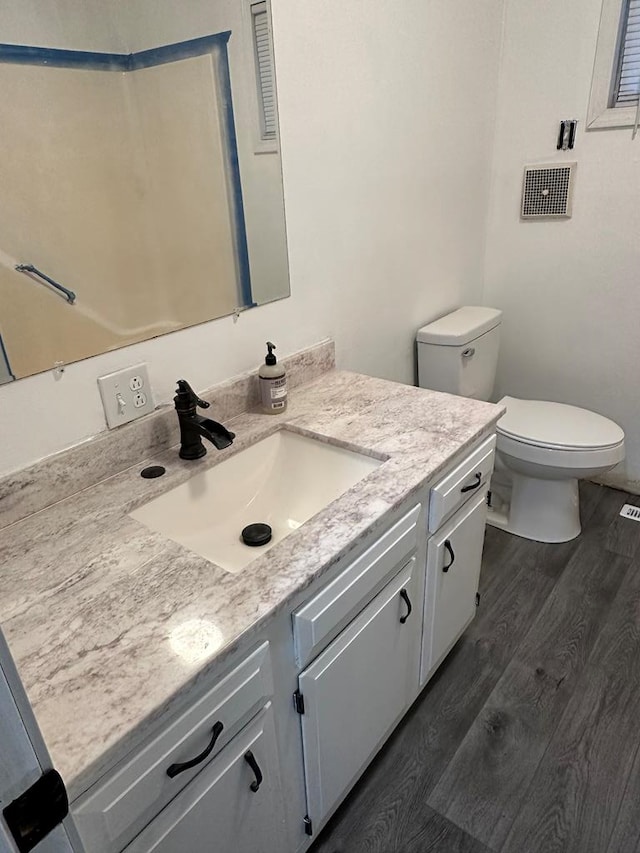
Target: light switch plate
x,y
126,395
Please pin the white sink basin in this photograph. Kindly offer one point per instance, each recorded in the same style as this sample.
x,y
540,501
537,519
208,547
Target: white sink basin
x,y
282,481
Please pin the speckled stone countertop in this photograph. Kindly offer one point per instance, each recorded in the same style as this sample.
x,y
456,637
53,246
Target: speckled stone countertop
x,y
91,600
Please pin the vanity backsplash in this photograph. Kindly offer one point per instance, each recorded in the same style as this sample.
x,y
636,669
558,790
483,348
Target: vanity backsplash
x,y
63,474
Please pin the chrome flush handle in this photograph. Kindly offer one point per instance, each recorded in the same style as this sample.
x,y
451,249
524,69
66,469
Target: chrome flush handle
x,y
469,352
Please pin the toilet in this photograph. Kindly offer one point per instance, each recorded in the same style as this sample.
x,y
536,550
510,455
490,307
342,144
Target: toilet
x,y
543,448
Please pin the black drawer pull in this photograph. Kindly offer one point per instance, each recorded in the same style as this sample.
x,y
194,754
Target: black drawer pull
x,y
404,595
473,486
250,758
174,769
447,545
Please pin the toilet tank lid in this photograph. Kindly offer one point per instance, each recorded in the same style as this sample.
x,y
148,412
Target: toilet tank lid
x,y
460,327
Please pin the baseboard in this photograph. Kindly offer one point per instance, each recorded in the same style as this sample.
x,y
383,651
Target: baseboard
x,y
618,480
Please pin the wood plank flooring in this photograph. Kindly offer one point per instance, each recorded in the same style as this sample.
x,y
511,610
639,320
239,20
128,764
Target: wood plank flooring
x,y
527,740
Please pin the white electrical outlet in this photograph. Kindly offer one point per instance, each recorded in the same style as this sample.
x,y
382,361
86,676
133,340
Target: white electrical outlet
x,y
126,395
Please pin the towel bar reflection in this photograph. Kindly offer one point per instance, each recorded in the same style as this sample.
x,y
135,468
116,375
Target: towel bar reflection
x,y
69,295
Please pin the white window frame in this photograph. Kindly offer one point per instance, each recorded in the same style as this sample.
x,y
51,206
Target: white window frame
x,y
600,115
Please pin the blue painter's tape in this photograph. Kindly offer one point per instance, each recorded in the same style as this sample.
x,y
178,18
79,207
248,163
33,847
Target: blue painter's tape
x,y
30,55
19,54
242,249
179,50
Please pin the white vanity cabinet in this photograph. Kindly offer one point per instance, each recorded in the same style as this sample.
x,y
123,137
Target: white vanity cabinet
x,y
357,647
364,659
233,805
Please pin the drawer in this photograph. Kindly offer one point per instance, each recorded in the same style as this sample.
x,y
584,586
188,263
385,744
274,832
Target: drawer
x,y
113,811
321,618
470,477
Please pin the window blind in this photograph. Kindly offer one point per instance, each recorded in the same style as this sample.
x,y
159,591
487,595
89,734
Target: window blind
x,y
627,86
265,72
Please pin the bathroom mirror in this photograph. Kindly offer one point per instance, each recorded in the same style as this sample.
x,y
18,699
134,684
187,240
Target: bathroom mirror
x,y
142,189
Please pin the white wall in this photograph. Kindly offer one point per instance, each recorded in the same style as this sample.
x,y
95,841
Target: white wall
x,y
386,137
63,24
569,289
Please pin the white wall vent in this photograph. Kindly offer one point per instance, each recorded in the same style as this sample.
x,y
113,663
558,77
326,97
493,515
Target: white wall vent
x,y
547,190
630,511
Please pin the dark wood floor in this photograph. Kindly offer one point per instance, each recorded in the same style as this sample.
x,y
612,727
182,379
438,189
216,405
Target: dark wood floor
x,y
527,739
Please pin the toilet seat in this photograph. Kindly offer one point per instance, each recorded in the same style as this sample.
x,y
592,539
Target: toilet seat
x,y
557,426
558,436
561,458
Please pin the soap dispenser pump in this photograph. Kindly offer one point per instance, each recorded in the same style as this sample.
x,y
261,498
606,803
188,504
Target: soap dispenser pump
x,y
273,384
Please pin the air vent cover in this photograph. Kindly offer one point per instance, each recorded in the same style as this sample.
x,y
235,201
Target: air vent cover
x,y
547,191
629,511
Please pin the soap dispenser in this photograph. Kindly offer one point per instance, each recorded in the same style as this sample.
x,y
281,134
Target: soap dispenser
x,y
273,384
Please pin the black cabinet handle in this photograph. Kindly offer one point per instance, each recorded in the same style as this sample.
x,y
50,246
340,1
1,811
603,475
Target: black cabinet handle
x,y
447,545
250,758
473,486
174,769
404,595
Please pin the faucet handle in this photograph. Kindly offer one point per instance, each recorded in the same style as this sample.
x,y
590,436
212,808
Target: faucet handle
x,y
186,398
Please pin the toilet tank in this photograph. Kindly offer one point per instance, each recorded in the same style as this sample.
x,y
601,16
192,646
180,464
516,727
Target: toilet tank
x,y
459,352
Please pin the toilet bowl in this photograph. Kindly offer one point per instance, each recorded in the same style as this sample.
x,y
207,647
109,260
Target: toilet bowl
x,y
547,448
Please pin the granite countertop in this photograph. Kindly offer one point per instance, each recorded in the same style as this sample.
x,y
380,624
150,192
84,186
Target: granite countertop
x,y
110,623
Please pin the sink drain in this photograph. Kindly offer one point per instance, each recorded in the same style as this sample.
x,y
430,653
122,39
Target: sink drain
x,y
256,534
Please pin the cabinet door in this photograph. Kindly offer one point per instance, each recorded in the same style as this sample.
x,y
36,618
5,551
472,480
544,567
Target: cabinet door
x,y
356,690
454,556
219,811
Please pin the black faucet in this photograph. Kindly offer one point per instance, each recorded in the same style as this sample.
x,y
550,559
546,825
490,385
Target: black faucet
x,y
194,426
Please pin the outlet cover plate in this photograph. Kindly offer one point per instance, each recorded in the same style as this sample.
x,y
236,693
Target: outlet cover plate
x,y
126,395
